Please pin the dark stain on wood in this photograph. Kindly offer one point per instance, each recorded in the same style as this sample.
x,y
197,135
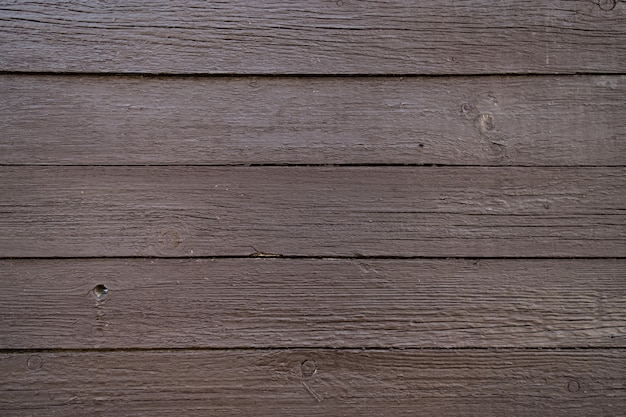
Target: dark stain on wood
x,y
312,208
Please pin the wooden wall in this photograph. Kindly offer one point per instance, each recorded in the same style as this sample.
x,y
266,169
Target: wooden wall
x,y
313,208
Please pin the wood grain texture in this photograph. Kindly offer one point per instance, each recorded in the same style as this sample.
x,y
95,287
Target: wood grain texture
x,y
312,211
269,302
314,37
259,120
244,196
318,382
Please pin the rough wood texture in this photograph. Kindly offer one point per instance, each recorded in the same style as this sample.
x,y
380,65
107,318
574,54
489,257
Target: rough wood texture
x,y
262,204
266,302
313,211
314,37
319,382
464,120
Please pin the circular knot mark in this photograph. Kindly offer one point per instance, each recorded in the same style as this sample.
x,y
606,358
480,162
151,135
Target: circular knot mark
x,y
607,5
573,386
170,239
308,368
100,291
467,111
34,362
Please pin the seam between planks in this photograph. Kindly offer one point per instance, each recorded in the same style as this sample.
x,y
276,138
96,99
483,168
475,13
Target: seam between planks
x,y
296,165
304,75
573,348
312,257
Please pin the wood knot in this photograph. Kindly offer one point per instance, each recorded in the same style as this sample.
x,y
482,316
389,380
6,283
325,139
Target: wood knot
x,y
170,239
467,111
607,5
34,362
308,368
573,386
485,122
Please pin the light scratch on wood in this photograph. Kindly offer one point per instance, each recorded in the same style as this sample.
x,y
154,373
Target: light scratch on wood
x,y
314,394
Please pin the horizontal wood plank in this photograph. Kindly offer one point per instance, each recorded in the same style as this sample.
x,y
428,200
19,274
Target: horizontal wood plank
x,y
312,211
318,382
269,302
313,37
260,120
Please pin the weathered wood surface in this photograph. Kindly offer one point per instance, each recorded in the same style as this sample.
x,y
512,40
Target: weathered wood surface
x,y
315,382
314,37
313,211
268,302
464,120
304,288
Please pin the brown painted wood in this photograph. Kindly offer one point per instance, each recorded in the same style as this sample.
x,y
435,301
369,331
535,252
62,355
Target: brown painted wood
x,y
270,302
464,120
318,382
537,169
313,211
314,37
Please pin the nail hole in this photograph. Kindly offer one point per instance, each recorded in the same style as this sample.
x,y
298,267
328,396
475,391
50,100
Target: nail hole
x,y
100,291
308,368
